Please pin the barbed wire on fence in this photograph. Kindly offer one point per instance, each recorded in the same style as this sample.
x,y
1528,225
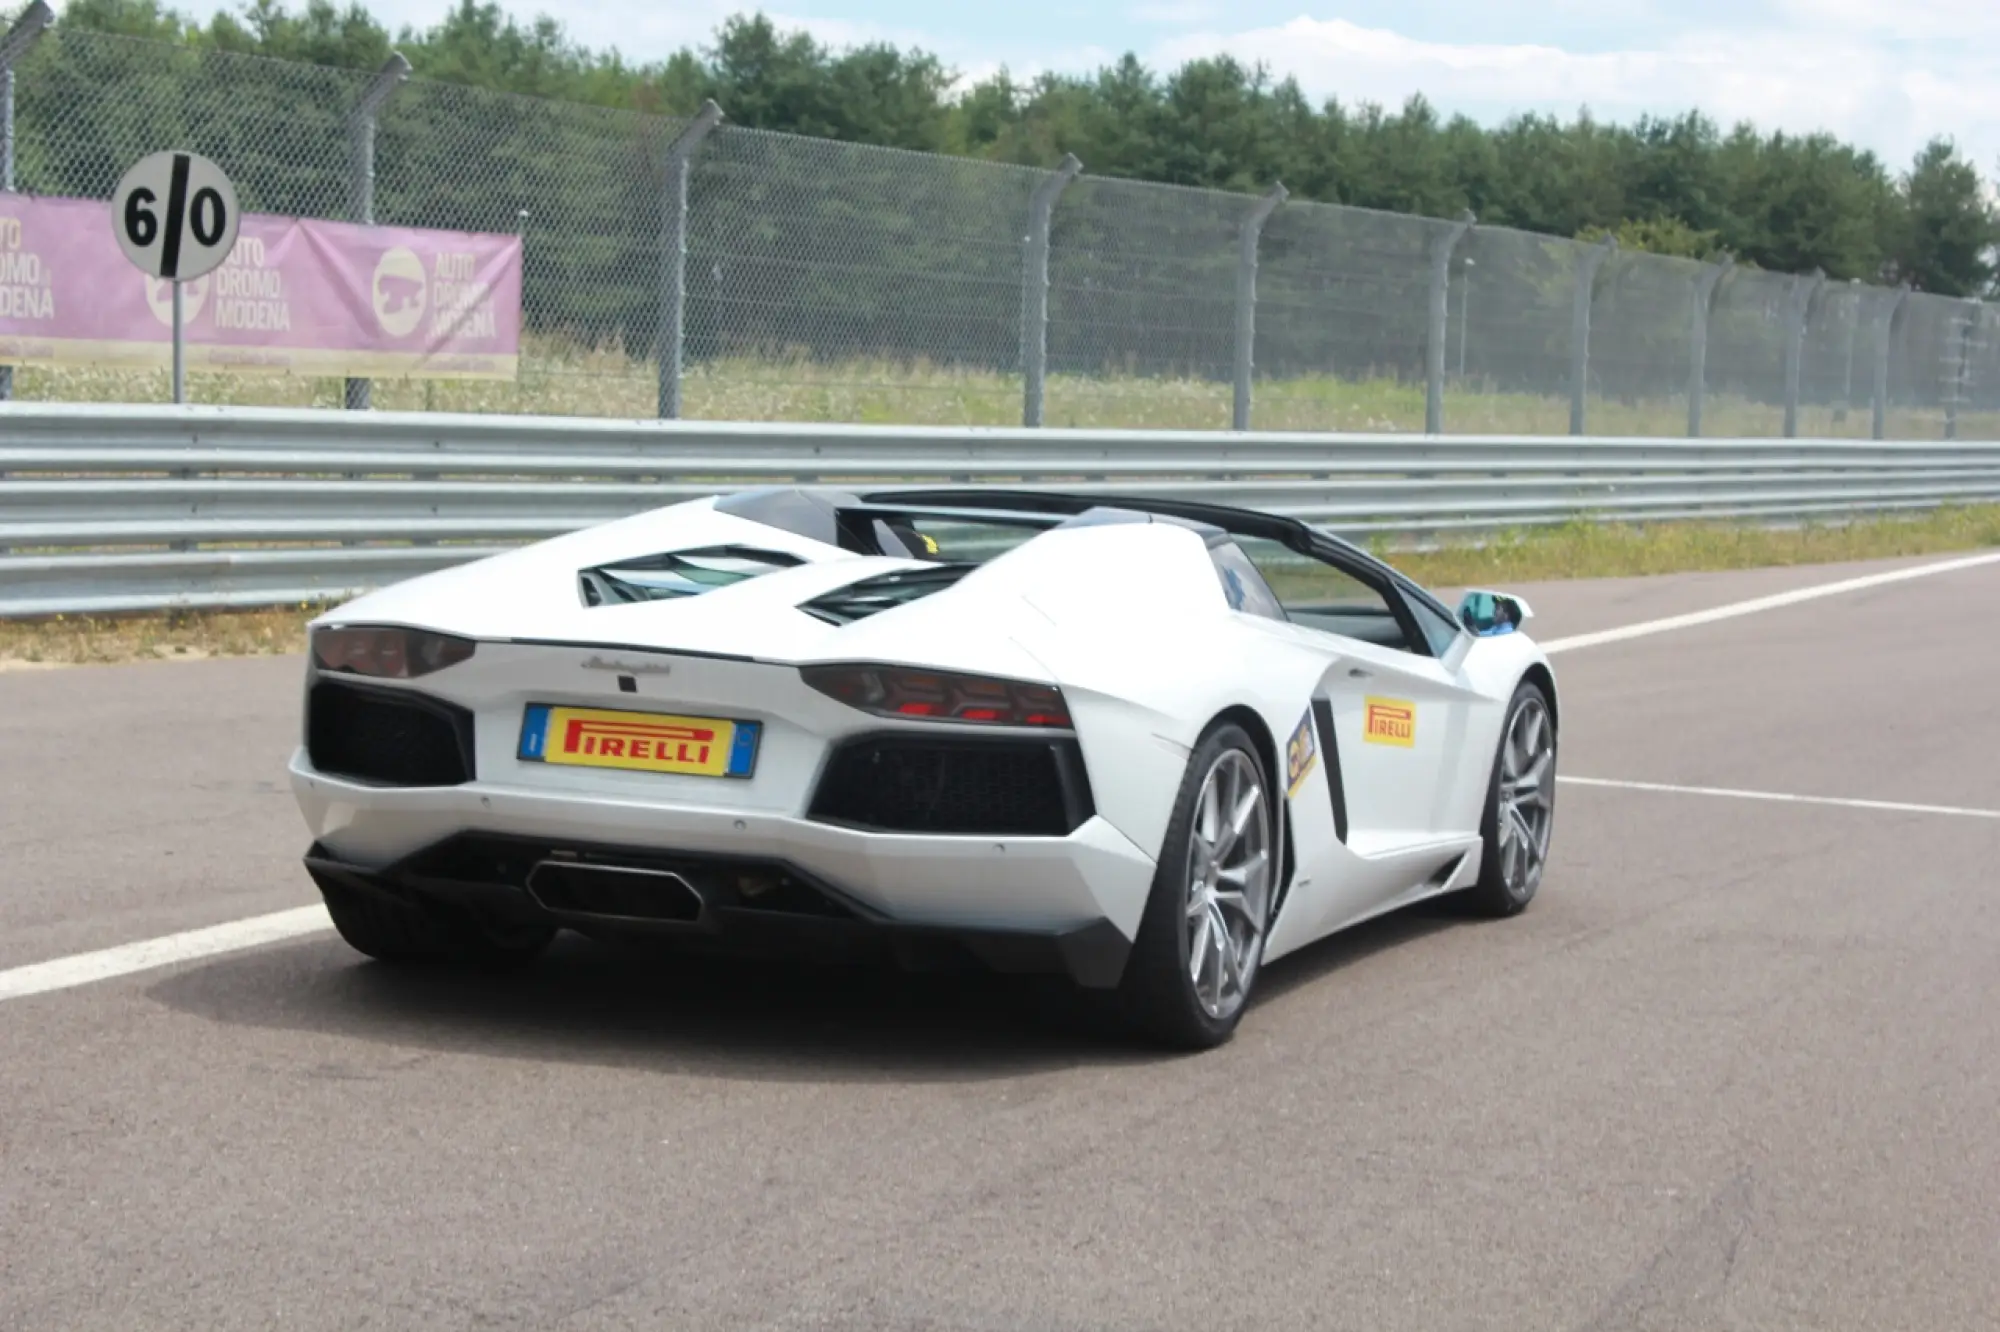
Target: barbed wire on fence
x,y
778,277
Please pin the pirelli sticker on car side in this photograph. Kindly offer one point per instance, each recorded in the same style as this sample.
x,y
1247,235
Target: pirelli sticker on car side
x,y
1301,752
1389,721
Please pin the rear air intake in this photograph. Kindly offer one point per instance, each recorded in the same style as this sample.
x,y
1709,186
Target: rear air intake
x,y
387,737
957,785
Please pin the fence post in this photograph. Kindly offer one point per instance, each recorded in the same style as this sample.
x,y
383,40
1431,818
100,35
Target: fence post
x,y
361,175
1442,248
1248,236
1884,330
1705,283
1968,324
1035,289
1801,299
33,21
1856,293
1579,329
673,258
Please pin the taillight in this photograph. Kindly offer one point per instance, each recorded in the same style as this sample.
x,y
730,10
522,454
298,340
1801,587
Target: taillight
x,y
901,691
395,654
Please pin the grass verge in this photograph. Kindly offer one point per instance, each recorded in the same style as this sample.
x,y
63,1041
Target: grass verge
x,y
78,640
1594,550
560,378
1576,550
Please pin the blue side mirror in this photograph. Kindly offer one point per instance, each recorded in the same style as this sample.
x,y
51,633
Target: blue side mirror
x,y
1487,614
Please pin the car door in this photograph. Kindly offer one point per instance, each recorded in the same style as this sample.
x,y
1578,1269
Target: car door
x,y
1390,717
1400,706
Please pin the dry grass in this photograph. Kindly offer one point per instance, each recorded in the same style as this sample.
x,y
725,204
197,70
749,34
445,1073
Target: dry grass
x,y
1591,550
72,640
1579,550
560,379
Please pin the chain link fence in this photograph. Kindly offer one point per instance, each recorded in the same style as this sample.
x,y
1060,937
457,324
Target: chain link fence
x,y
832,281
738,274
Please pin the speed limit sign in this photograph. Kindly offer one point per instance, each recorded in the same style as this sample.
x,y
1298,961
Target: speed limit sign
x,y
175,216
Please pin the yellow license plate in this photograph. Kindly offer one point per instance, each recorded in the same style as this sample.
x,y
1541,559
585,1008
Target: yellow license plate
x,y
639,741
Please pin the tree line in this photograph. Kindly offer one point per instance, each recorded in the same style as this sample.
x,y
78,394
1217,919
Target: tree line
x,y
815,244
1679,185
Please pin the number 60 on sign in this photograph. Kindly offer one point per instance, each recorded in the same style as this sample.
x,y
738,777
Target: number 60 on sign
x,y
175,217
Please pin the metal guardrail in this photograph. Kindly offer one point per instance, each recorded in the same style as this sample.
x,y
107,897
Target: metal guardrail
x,y
126,508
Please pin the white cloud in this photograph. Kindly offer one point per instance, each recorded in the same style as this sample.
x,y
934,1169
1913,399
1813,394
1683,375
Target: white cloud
x,y
642,31
651,31
1885,75
1175,13
1829,77
1953,21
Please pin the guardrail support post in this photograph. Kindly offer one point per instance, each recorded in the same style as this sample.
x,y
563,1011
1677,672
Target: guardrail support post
x,y
1800,302
356,393
32,23
1884,333
1705,284
1442,248
1248,236
673,258
1035,289
1579,329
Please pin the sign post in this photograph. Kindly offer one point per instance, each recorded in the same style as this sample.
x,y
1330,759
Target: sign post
x,y
175,217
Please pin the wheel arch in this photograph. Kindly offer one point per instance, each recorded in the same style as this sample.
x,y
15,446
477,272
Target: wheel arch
x,y
1254,726
1259,731
1539,675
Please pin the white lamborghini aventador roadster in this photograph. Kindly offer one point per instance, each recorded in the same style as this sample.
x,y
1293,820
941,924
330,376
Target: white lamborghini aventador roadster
x,y
1147,744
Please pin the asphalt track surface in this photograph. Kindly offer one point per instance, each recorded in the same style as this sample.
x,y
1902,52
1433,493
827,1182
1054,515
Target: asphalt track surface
x,y
1737,1068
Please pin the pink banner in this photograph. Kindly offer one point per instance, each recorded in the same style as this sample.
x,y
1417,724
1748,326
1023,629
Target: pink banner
x,y
295,296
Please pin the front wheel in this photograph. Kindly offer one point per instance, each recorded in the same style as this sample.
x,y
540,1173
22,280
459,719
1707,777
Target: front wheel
x,y
1520,808
1201,942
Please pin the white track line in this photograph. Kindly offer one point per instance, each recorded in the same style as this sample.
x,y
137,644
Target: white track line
x,y
1756,604
1894,807
67,972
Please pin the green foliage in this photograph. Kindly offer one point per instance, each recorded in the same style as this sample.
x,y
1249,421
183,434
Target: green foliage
x,y
1658,235
1677,186
818,244
1947,232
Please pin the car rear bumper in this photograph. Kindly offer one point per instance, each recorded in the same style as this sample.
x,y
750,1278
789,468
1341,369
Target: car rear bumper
x,y
756,906
1055,899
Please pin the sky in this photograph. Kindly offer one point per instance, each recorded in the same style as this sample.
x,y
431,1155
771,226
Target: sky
x,y
1887,76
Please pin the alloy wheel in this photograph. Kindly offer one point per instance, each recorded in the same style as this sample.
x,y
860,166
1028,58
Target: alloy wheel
x,y
1527,796
1229,875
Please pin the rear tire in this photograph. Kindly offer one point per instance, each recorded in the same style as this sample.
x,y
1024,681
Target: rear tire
x,y
1519,821
394,932
1200,946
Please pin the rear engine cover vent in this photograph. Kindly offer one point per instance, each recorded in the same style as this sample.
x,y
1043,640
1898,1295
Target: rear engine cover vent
x,y
870,596
678,573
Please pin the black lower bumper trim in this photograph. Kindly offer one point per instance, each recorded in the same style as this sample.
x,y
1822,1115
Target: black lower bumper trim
x,y
746,905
